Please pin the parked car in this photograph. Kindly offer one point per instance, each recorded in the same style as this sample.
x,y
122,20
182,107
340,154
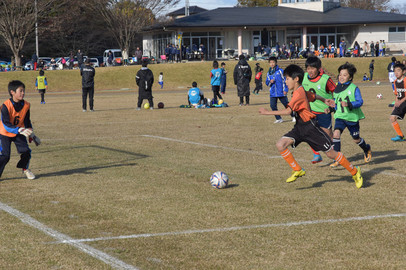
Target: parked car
x,y
94,62
117,57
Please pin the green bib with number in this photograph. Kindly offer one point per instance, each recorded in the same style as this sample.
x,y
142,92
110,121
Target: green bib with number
x,y
348,95
320,89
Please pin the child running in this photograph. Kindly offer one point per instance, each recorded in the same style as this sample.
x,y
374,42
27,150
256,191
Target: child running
x,y
306,128
41,85
258,82
324,86
399,111
348,111
161,80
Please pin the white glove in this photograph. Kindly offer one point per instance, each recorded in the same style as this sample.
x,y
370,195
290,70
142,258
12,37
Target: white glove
x,y
34,138
25,131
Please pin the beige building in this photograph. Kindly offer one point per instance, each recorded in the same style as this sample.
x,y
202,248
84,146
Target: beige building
x,y
238,30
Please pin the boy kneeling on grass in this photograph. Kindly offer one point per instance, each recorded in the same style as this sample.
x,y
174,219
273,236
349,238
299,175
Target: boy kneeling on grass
x,y
306,128
16,127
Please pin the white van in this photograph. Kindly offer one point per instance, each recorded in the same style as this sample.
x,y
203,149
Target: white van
x,y
117,57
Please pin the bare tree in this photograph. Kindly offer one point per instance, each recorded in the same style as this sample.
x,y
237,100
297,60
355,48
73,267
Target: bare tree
x,y
17,21
126,18
380,5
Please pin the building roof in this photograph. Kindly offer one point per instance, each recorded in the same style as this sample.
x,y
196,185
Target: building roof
x,y
284,16
181,11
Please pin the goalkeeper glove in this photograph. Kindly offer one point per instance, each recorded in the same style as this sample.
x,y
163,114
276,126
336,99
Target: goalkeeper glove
x,y
25,131
34,138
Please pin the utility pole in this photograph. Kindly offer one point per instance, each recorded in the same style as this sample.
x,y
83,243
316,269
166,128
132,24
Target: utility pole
x,y
186,8
36,29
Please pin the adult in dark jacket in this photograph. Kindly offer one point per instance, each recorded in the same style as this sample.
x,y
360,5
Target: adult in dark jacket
x,y
87,73
79,56
145,80
242,78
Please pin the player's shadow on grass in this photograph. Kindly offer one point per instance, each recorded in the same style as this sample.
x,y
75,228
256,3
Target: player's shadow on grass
x,y
379,157
366,175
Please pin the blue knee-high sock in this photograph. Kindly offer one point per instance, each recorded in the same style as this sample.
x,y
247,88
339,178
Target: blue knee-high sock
x,y
364,145
337,145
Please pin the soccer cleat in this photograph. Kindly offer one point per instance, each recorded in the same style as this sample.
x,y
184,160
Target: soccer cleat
x,y
138,108
295,175
83,110
294,119
316,159
368,155
29,174
398,139
278,121
358,178
334,164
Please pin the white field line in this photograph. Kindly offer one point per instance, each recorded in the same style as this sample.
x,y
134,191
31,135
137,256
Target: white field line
x,y
275,225
212,146
111,261
260,154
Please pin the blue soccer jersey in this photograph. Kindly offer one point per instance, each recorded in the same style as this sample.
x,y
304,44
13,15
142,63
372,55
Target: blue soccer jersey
x,y
194,95
216,76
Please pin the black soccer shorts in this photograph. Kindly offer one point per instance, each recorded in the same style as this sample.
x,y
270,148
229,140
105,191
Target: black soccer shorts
x,y
311,133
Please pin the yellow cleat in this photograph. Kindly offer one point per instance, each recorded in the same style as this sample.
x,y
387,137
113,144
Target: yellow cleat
x,y
334,164
358,177
368,156
295,175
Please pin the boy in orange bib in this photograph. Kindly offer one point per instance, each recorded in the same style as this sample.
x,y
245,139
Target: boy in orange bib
x,y
16,127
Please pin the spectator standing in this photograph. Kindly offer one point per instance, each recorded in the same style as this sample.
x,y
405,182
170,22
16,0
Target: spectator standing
x,y
380,48
34,60
242,78
202,50
383,48
343,48
71,60
87,73
145,80
125,57
372,47
167,52
377,49
371,69
365,49
110,59
79,56
138,55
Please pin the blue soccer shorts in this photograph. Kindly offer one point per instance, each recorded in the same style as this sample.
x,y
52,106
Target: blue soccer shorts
x,y
353,127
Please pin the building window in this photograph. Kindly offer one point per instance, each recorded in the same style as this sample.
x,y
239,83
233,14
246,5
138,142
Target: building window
x,y
397,34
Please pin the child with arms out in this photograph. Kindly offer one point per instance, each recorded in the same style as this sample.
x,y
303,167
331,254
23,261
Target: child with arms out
x,y
16,127
306,128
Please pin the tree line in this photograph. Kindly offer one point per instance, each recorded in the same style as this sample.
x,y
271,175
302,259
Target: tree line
x,y
68,25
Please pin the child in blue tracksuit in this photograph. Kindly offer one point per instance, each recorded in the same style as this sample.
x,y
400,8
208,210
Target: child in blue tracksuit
x,y
215,75
223,78
278,89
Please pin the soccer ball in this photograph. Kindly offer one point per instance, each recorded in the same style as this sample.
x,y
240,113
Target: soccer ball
x,y
379,96
161,105
378,82
220,102
146,106
219,180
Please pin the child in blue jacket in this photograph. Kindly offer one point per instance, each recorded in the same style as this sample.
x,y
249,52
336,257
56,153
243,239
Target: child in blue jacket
x,y
215,75
278,89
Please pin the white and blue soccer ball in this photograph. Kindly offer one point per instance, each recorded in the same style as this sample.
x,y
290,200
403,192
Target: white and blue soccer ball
x,y
219,180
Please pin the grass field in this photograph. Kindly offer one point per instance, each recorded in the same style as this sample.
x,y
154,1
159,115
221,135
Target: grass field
x,y
126,189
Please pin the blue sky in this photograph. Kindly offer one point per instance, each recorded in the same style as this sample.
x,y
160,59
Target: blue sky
x,y
212,4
